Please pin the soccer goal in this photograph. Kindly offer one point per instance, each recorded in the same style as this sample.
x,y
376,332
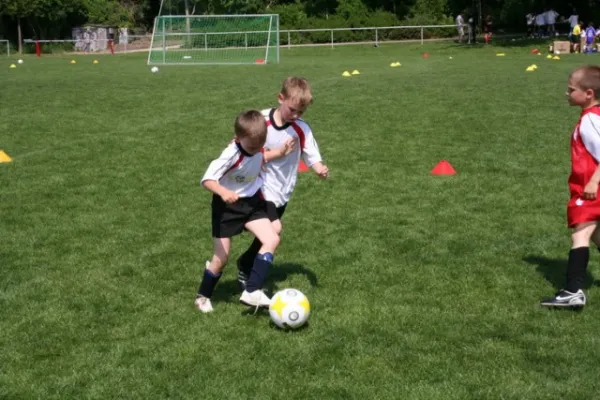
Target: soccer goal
x,y
215,39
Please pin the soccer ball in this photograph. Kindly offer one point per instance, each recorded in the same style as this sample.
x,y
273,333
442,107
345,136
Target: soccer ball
x,y
289,309
154,69
20,61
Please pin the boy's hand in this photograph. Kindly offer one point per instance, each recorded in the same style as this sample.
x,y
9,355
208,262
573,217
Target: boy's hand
x,y
288,147
230,197
321,170
590,190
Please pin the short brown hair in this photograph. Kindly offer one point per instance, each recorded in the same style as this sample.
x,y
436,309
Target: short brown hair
x,y
251,124
298,90
589,78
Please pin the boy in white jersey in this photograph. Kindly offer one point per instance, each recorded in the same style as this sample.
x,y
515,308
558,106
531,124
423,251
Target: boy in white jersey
x,y
280,172
237,204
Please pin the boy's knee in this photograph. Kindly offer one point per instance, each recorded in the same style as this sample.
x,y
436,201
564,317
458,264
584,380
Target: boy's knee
x,y
220,260
277,226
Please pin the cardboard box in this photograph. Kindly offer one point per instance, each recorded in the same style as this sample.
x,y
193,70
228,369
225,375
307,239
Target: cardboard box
x,y
561,46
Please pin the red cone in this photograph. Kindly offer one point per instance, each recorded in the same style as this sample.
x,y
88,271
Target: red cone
x,y
303,167
535,51
425,55
443,168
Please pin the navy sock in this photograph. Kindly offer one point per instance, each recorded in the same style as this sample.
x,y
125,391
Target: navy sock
x,y
209,281
259,272
576,268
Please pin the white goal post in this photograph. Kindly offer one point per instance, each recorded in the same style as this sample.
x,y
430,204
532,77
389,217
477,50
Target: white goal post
x,y
215,39
5,47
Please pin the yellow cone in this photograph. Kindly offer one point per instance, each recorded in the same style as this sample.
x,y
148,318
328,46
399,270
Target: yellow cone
x,y
549,56
4,158
500,54
556,58
539,54
534,66
12,66
73,62
95,62
355,72
346,73
530,69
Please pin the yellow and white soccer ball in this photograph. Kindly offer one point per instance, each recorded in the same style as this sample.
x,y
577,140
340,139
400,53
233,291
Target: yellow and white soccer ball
x,y
289,309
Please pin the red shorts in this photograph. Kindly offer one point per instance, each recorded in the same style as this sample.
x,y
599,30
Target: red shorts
x,y
580,211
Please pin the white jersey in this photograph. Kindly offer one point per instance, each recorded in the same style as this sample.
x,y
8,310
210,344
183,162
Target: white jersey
x,y
237,170
280,175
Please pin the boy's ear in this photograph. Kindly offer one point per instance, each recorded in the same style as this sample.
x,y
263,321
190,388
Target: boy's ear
x,y
591,93
280,98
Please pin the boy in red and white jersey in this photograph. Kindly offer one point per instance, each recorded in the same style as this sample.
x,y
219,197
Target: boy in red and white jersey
x,y
237,204
583,209
281,170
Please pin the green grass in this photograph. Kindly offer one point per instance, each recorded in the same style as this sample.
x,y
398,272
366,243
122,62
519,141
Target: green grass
x,y
422,287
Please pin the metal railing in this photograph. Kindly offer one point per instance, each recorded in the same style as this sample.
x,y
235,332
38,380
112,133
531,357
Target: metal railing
x,y
376,39
302,37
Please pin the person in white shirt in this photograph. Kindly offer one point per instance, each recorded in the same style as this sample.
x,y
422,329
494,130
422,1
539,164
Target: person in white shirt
x,y
280,173
540,23
460,27
237,204
550,16
573,22
530,18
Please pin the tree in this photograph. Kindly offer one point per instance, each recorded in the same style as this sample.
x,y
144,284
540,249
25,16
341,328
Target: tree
x,y
17,9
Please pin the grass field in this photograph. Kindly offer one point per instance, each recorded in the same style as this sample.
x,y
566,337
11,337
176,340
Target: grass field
x,y
422,287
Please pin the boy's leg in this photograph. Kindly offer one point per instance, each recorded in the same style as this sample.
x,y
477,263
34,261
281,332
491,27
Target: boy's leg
x,y
572,295
212,273
246,260
265,233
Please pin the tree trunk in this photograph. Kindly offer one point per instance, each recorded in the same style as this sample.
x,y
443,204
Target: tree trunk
x,y
19,36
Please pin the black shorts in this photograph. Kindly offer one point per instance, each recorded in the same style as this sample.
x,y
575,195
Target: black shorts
x,y
273,212
229,219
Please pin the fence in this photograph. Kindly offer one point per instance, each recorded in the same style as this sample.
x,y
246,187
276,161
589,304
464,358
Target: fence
x,y
5,44
288,38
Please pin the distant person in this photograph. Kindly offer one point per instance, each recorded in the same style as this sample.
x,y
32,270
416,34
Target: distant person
x,y
573,20
540,25
550,15
487,29
575,37
590,36
530,19
460,27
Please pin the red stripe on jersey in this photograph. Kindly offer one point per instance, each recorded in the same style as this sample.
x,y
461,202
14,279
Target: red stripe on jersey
x,y
268,122
235,165
300,134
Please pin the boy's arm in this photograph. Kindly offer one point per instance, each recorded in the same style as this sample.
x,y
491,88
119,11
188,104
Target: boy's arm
x,y
590,135
312,156
227,195
216,170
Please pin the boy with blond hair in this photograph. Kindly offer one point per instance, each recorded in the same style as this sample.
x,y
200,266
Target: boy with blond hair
x,y
281,170
237,204
583,209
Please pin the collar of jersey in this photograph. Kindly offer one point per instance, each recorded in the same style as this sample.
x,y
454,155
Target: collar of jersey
x,y
273,124
241,149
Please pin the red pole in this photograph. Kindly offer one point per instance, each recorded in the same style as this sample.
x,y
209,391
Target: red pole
x,y
38,49
112,49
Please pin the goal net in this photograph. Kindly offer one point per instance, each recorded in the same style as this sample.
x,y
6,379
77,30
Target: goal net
x,y
215,39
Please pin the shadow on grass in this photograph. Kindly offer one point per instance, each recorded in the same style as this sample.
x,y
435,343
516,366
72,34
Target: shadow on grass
x,y
229,291
554,270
